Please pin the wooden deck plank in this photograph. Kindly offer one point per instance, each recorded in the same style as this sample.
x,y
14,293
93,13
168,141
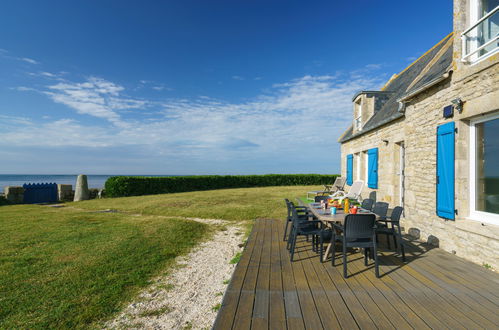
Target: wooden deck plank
x,y
243,315
309,310
355,306
294,317
429,291
395,313
277,310
419,285
468,274
324,309
457,301
338,306
414,319
475,312
371,307
226,315
260,317
481,295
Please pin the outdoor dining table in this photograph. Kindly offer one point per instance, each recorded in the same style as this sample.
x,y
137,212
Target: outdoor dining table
x,y
328,219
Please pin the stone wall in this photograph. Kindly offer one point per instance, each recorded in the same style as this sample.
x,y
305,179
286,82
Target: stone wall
x,y
14,194
65,192
469,238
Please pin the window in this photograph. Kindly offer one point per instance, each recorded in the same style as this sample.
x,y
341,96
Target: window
x,y
366,165
484,176
358,166
358,115
358,122
481,39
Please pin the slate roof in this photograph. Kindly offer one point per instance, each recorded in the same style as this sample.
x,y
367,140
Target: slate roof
x,y
425,70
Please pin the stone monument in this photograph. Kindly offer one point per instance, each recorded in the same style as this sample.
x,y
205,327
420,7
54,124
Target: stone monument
x,y
81,191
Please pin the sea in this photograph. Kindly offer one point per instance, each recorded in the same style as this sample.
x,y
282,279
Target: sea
x,y
94,181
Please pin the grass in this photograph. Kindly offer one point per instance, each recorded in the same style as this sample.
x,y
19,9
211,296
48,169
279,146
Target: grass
x,y
75,267
245,204
236,258
62,268
216,307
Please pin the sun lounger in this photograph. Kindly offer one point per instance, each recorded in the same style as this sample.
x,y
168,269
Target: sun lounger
x,y
328,189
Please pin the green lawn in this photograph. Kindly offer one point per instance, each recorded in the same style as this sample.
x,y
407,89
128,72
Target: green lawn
x,y
229,204
74,267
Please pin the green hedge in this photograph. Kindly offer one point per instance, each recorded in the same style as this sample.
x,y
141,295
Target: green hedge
x,y
120,186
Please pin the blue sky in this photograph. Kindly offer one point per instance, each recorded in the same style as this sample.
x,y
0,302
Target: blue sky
x,y
195,87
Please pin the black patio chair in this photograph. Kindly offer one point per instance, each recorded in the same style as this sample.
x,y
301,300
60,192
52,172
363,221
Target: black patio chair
x,y
358,230
307,228
390,226
303,213
367,204
380,209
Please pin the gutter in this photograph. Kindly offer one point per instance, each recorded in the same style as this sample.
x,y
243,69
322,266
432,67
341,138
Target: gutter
x,y
370,92
429,84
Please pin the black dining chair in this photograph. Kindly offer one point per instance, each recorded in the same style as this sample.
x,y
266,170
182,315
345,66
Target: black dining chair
x,y
380,209
367,204
358,230
390,226
303,214
307,228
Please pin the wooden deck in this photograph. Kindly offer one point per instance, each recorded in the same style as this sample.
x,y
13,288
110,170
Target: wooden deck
x,y
434,289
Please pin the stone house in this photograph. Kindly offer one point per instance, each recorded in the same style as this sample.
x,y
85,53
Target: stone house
x,y
429,139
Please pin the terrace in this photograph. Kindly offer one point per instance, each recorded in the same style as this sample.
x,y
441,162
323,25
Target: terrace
x,y
433,289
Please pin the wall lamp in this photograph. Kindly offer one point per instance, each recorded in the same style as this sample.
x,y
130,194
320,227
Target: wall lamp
x,y
385,141
458,104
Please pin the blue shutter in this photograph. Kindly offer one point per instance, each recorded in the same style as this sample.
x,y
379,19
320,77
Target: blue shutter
x,y
372,168
445,171
349,170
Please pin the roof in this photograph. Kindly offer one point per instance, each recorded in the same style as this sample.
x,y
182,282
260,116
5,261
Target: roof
x,y
418,76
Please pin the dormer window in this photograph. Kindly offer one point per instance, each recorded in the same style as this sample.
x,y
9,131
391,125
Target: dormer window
x,y
358,114
358,122
481,38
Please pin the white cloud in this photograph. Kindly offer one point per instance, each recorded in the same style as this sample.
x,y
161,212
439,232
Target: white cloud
x,y
48,74
28,60
301,114
237,78
23,89
95,97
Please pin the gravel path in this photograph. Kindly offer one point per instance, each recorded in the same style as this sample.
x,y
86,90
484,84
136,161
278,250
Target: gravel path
x,y
188,297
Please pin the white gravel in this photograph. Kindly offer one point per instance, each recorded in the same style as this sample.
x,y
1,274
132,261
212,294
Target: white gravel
x,y
186,297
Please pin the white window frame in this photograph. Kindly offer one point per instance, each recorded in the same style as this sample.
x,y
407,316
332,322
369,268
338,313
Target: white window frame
x,y
367,166
358,171
474,19
481,216
358,119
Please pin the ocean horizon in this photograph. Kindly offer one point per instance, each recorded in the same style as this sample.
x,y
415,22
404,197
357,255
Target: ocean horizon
x,y
94,180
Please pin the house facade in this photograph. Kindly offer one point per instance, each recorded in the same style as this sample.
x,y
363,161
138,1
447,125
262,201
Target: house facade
x,y
429,140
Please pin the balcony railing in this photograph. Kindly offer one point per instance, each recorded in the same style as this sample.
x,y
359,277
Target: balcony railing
x,y
482,38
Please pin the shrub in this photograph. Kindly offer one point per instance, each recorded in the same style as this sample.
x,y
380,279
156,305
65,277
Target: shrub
x,y
121,186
